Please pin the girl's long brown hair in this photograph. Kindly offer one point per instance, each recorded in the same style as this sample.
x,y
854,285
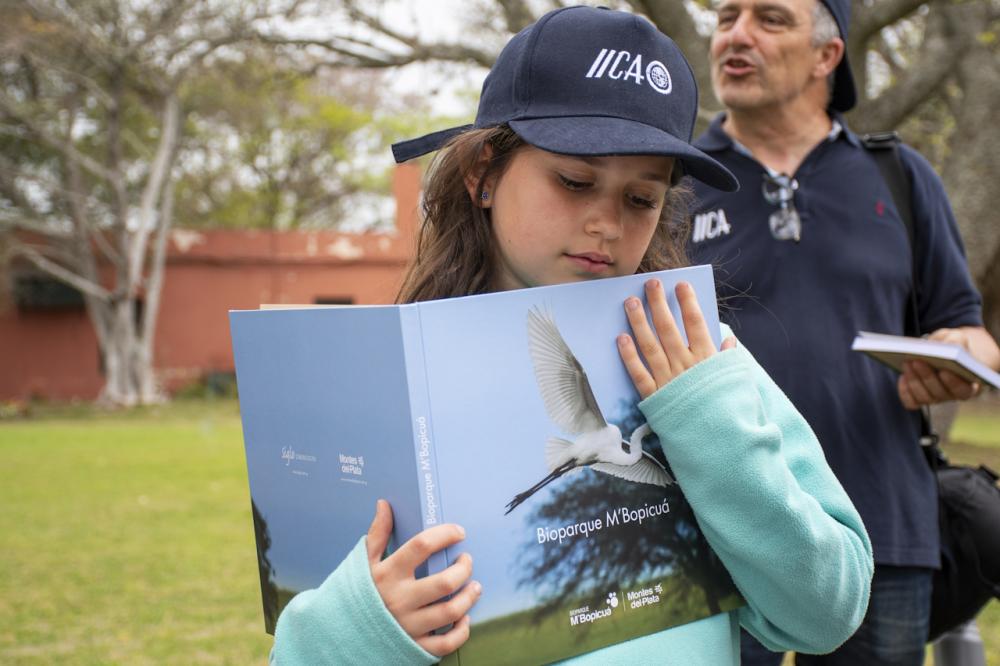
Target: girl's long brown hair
x,y
456,250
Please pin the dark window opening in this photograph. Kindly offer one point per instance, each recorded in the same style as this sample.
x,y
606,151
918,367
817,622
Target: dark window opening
x,y
40,292
333,300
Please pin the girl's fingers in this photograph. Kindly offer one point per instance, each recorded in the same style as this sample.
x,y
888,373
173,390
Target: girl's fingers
x,y
647,342
652,359
444,612
441,645
415,552
643,381
728,343
666,330
699,340
378,533
429,589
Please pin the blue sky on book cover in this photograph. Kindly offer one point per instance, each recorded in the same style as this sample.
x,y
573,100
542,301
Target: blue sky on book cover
x,y
323,399
333,385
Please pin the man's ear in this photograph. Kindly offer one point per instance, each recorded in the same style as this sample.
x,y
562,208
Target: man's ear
x,y
830,55
484,197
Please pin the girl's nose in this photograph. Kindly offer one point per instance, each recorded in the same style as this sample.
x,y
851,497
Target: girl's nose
x,y
604,219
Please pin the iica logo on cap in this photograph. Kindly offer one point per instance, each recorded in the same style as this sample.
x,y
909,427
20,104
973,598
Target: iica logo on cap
x,y
610,63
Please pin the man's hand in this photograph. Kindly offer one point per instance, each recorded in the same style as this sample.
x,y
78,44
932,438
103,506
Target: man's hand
x,y
920,384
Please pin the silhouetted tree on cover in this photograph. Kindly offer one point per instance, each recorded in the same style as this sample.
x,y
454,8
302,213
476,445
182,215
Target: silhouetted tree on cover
x,y
618,556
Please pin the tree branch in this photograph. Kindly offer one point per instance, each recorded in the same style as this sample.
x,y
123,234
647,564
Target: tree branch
x,y
939,54
35,60
33,224
154,287
13,192
378,26
350,52
63,145
42,263
517,15
159,174
79,30
869,18
889,56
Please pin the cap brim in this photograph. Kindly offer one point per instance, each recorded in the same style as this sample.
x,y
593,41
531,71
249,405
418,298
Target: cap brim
x,y
602,135
844,94
408,150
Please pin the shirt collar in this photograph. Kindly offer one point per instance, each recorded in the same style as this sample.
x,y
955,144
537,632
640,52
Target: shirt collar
x,y
715,138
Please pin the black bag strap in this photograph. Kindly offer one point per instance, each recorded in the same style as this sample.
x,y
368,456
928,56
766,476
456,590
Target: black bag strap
x,y
884,148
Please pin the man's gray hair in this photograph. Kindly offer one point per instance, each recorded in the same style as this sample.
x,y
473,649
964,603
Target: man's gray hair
x,y
824,26
824,29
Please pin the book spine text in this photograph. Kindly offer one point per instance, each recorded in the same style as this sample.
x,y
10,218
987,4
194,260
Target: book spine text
x,y
423,432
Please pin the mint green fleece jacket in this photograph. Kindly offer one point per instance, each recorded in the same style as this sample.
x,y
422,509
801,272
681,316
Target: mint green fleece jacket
x,y
764,496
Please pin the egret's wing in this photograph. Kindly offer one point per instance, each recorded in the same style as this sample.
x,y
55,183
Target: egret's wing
x,y
557,452
647,470
561,379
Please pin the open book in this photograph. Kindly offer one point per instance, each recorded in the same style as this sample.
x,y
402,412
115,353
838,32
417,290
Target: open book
x,y
893,350
456,411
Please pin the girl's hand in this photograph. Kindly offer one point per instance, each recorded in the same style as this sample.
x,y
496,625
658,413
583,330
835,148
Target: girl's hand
x,y
664,351
419,605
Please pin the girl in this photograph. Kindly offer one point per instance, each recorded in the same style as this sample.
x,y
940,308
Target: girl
x,y
570,173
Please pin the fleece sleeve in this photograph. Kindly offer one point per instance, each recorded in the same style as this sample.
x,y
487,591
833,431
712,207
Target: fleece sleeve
x,y
343,621
767,501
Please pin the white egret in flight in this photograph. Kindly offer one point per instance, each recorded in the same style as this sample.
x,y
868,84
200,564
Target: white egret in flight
x,y
570,402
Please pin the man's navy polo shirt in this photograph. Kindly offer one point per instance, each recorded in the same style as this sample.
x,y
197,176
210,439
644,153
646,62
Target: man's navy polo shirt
x,y
798,305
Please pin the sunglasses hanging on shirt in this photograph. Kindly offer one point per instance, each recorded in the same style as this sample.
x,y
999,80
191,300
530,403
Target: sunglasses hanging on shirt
x,y
779,190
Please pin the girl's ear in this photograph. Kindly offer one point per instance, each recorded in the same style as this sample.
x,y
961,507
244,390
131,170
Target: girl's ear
x,y
482,198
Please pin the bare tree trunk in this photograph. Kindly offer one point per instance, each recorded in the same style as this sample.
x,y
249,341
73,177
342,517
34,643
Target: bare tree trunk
x,y
128,348
117,353
150,390
155,217
974,157
991,293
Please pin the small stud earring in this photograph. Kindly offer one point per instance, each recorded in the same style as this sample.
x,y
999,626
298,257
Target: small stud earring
x,y
484,196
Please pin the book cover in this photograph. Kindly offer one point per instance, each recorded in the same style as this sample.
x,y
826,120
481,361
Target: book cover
x,y
469,410
894,350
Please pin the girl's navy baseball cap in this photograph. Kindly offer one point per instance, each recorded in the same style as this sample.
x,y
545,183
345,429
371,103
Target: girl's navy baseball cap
x,y
592,81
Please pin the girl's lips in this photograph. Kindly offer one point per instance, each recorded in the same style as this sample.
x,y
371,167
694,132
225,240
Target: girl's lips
x,y
590,262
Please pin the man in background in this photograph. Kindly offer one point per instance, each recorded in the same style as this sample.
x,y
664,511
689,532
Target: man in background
x,y
810,251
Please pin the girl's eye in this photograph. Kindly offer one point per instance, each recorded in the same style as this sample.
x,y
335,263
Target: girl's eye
x,y
642,202
571,184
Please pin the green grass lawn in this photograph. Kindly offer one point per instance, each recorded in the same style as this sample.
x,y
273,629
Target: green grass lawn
x,y
127,538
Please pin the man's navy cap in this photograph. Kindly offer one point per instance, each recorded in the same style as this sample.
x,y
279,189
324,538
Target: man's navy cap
x,y
844,96
592,81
